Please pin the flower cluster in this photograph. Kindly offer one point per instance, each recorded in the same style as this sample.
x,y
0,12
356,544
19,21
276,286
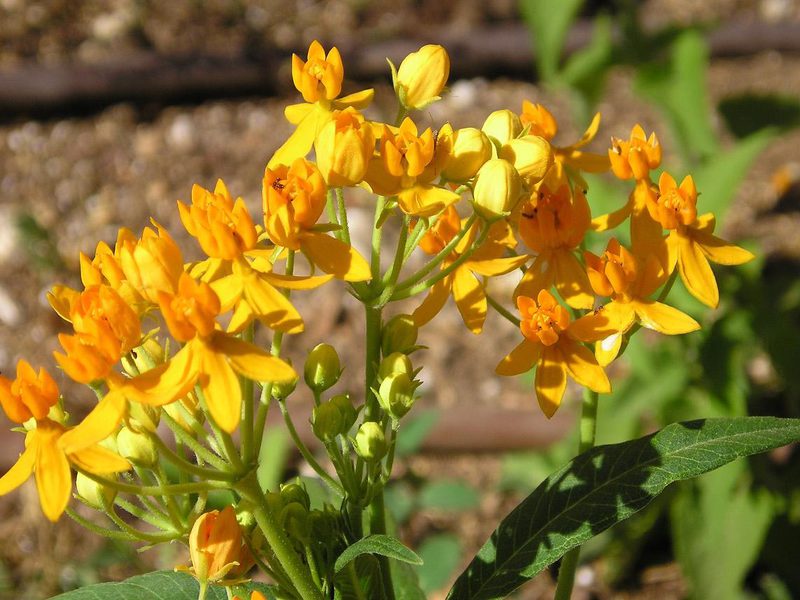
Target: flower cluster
x,y
163,341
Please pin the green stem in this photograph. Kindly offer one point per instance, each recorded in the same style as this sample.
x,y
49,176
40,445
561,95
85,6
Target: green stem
x,y
246,385
419,230
372,361
298,573
502,310
114,534
200,451
375,255
157,490
184,466
148,515
331,209
588,430
343,215
391,277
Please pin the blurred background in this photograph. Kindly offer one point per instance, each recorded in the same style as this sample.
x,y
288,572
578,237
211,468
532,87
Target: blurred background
x,y
111,110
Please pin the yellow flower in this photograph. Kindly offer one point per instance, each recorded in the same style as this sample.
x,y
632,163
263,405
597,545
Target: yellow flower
x,y
464,283
344,148
553,344
319,80
464,151
405,167
422,76
636,157
539,120
49,450
293,200
553,225
497,190
29,395
502,126
152,263
210,359
691,243
223,226
216,545
622,276
531,155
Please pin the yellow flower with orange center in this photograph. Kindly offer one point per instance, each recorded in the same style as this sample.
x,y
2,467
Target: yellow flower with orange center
x,y
30,395
49,449
405,167
636,157
319,80
553,224
464,283
554,346
629,282
293,200
222,226
691,242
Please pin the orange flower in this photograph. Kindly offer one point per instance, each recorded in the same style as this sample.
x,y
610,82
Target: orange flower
x,y
405,166
464,282
539,120
29,395
635,157
691,243
553,225
344,147
150,264
293,200
216,546
553,344
619,274
320,77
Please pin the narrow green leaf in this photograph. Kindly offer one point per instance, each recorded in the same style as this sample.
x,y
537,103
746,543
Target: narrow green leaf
x,y
383,545
155,586
448,495
549,22
604,486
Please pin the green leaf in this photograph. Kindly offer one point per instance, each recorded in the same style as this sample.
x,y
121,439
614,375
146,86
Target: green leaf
x,y
156,586
604,486
405,582
383,545
749,113
448,495
441,554
549,22
415,430
719,177
585,71
272,458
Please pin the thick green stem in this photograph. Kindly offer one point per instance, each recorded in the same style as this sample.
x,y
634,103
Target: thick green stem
x,y
588,429
298,573
372,361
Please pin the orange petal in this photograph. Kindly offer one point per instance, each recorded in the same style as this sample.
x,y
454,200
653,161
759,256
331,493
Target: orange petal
x,y
582,366
335,257
497,266
521,359
551,380
470,299
696,273
434,301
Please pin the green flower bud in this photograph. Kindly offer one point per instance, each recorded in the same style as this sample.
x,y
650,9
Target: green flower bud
x,y
137,447
502,126
94,493
396,395
347,410
295,492
498,187
396,362
274,502
294,518
281,391
326,421
322,368
399,335
370,442
143,417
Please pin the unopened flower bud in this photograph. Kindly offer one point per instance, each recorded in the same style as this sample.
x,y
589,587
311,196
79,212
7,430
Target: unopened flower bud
x,y
531,156
347,410
370,442
137,447
502,126
282,390
143,417
497,189
399,335
215,544
344,147
422,76
294,518
326,421
466,150
396,362
295,492
94,493
322,368
396,395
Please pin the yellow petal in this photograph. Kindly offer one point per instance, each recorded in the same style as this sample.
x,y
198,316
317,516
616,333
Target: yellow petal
x,y
220,387
99,424
61,298
241,318
229,289
20,471
614,317
434,301
551,380
696,273
335,257
470,299
296,282
539,276
607,349
53,479
664,319
589,162
612,219
167,382
357,100
425,200
720,251
251,361
98,460
497,266
271,307
295,113
520,360
590,132
571,280
582,365
299,143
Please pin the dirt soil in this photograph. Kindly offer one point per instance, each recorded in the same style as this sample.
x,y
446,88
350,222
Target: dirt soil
x,y
75,181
